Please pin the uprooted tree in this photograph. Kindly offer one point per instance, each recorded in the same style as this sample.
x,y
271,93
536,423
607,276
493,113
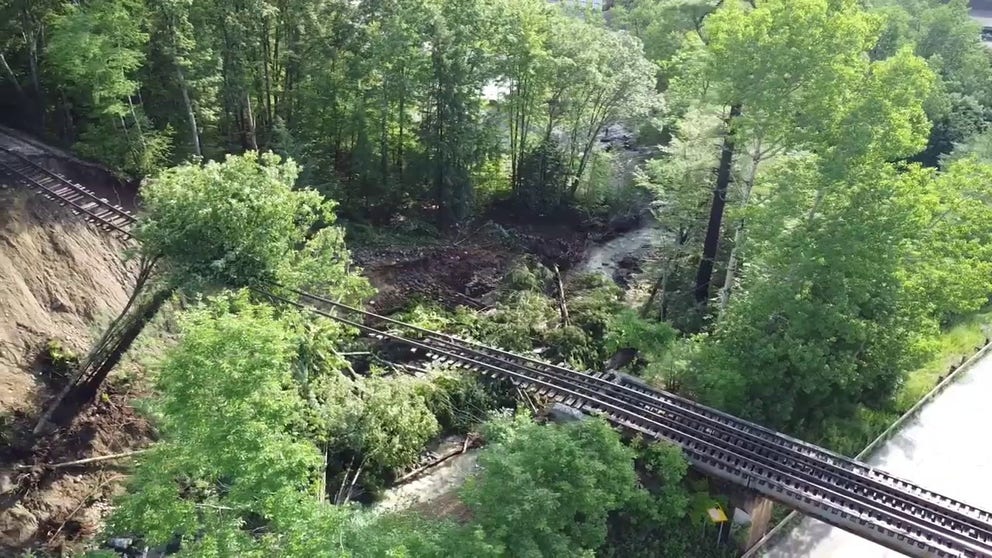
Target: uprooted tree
x,y
234,224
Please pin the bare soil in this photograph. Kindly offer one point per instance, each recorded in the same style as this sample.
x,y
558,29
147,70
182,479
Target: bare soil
x,y
60,279
462,269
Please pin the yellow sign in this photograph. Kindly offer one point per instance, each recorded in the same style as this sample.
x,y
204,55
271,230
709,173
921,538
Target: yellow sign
x,y
716,515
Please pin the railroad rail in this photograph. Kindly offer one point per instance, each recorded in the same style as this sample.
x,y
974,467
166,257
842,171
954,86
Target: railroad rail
x,y
65,192
835,489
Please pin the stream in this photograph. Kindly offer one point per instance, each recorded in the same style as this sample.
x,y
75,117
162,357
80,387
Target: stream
x,y
610,258
625,252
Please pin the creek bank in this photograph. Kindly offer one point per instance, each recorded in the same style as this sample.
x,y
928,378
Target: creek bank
x,y
620,256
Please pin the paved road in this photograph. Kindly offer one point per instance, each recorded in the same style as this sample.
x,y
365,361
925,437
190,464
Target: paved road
x,y
945,448
982,16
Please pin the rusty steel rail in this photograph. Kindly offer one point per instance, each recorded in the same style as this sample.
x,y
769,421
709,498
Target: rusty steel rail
x,y
63,191
833,488
836,489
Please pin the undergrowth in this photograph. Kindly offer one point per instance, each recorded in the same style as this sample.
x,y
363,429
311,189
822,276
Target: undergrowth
x,y
957,342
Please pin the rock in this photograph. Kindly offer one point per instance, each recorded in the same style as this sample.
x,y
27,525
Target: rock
x,y
59,305
562,414
17,526
631,263
6,483
625,223
622,358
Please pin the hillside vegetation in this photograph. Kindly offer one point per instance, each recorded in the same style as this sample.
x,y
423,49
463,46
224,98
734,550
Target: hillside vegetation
x,y
820,171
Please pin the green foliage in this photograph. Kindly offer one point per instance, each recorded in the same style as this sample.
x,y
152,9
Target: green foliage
x,y
236,471
527,276
594,302
652,340
827,323
97,48
458,400
60,360
392,424
547,490
654,522
227,412
832,97
241,223
382,99
543,178
433,317
109,141
519,320
948,38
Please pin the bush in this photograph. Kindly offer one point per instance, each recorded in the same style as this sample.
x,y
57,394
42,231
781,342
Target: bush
x,y
58,360
458,400
547,490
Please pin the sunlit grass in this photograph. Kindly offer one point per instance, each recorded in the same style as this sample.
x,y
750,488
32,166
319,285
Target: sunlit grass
x,y
850,435
957,342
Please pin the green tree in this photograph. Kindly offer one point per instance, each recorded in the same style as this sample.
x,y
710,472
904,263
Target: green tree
x,y
829,318
98,48
602,78
663,25
236,471
241,223
655,523
547,490
946,36
950,263
795,76
231,224
209,476
389,427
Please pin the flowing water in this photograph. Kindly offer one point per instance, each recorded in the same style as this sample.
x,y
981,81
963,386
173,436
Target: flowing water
x,y
607,257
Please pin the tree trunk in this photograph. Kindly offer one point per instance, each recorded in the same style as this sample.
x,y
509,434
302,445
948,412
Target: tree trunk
x,y
402,117
658,285
384,137
711,244
107,344
250,139
189,111
144,314
266,73
10,74
137,123
562,307
728,283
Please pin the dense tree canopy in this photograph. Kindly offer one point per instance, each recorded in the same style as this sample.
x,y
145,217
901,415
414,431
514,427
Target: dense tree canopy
x,y
242,222
383,99
820,171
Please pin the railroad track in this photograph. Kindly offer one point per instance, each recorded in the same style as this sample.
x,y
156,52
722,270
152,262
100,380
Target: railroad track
x,y
841,491
65,192
822,484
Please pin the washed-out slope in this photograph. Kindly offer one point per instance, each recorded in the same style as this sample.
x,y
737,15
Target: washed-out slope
x,y
59,278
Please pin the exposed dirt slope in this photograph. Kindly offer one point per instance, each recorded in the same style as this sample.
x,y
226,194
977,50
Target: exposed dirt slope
x,y
58,277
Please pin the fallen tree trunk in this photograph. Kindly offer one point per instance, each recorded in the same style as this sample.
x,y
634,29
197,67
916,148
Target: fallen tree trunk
x,y
470,442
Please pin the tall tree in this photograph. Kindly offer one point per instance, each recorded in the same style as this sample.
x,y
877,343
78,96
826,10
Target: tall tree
x,y
98,48
232,224
782,72
574,474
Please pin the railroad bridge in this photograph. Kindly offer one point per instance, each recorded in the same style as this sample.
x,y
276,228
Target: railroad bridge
x,y
827,486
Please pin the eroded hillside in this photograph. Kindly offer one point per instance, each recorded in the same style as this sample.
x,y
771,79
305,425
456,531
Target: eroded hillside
x,y
60,279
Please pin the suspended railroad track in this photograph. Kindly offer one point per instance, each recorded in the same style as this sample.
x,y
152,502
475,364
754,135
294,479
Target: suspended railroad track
x,y
835,489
